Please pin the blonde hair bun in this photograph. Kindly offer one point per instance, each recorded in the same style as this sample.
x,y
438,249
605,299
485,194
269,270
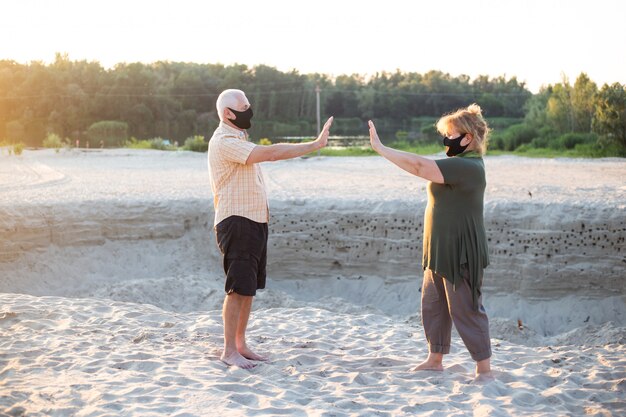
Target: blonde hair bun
x,y
475,109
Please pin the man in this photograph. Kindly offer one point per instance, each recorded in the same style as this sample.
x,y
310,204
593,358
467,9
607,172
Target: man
x,y
242,214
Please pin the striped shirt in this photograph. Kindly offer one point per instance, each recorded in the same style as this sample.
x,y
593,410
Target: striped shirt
x,y
238,189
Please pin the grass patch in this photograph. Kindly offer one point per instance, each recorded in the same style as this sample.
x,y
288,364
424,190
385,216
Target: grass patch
x,y
579,151
368,151
349,151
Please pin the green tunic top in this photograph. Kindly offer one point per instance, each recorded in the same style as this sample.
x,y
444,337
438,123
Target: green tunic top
x,y
454,230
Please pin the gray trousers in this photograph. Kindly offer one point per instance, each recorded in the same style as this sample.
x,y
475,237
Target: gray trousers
x,y
442,306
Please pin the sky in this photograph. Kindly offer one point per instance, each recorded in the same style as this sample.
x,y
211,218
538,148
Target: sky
x,y
538,41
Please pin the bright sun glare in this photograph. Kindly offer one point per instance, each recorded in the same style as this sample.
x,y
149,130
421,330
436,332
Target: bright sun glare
x,y
538,41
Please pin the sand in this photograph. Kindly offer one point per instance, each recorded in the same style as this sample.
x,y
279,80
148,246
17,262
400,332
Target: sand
x,y
110,290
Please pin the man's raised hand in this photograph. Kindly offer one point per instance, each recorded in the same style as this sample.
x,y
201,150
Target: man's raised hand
x,y
322,139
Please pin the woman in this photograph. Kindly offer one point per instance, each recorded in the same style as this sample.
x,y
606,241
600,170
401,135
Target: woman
x,y
455,246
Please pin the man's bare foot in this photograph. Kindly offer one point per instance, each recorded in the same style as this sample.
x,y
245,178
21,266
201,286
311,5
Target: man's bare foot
x,y
235,359
248,354
429,365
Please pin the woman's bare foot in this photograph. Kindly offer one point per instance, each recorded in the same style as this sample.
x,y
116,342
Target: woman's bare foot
x,y
433,363
484,377
235,359
248,354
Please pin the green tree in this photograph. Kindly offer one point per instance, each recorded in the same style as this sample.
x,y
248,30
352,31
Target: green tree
x,y
610,116
112,133
583,103
559,110
536,109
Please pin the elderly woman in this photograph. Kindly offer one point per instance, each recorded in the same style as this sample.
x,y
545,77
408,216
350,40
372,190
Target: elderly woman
x,y
455,246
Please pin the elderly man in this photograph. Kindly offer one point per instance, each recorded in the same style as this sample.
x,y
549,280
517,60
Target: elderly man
x,y
242,213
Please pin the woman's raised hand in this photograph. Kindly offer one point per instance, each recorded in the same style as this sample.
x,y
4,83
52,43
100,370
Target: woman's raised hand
x,y
374,139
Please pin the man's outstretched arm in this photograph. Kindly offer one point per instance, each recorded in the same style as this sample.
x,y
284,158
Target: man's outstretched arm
x,y
282,151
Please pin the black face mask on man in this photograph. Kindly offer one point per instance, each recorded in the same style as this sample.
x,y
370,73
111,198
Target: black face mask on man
x,y
454,145
242,120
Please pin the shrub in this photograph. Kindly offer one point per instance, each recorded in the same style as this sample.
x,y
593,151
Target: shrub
x,y
53,141
155,143
265,141
134,143
18,148
496,141
540,142
159,144
547,137
570,140
111,133
195,144
496,144
589,149
599,150
518,135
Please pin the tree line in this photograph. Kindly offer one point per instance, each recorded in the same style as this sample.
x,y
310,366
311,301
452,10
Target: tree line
x,y
571,116
79,100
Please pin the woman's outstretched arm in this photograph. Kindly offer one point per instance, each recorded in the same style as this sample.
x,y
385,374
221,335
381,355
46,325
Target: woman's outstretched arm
x,y
411,163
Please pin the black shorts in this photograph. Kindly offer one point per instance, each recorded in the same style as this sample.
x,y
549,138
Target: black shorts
x,y
243,243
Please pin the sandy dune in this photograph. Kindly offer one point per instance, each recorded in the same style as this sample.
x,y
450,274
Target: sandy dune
x,y
110,289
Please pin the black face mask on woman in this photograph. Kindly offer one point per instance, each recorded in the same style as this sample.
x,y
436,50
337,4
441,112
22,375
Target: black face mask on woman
x,y
243,118
454,145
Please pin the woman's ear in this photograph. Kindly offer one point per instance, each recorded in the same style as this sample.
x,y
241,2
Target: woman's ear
x,y
467,139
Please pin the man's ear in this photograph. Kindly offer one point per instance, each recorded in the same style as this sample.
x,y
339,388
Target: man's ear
x,y
229,115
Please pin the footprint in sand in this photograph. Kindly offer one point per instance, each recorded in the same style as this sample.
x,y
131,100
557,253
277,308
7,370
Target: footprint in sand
x,y
141,366
7,315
